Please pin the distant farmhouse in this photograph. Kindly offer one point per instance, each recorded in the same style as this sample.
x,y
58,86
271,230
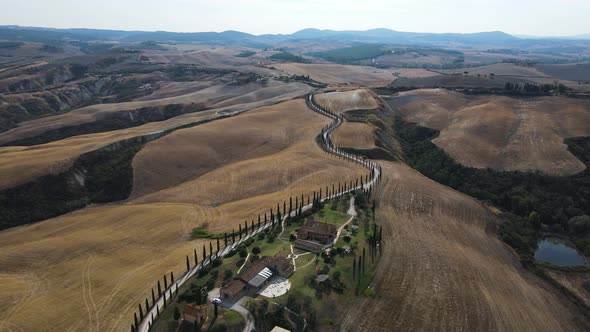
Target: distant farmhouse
x,y
256,276
315,235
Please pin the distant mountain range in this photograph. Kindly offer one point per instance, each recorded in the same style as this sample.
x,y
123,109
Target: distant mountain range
x,y
386,36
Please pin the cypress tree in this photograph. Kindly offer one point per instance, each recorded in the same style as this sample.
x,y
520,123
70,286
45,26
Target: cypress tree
x,y
171,278
188,265
147,306
204,255
265,221
225,240
135,318
153,297
195,256
159,289
164,299
246,227
252,227
364,261
359,267
140,312
296,205
290,205
165,283
284,208
233,236
240,230
210,251
259,220
158,309
218,247
333,189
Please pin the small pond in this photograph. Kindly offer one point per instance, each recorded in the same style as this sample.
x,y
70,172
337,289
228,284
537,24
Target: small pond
x,y
558,252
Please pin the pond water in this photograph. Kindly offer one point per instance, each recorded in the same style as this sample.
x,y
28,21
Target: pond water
x,y
557,252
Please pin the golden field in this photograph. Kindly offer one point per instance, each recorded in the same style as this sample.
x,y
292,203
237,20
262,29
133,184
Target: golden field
x,y
89,269
500,132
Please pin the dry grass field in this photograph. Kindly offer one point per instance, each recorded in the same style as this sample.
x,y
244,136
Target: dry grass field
x,y
575,76
332,73
89,269
221,95
22,164
357,135
573,282
500,132
341,102
443,269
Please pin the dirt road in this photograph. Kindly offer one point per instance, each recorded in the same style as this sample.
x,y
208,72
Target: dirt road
x,y
444,269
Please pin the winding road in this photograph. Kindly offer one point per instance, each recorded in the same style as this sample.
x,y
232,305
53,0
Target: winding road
x,y
328,146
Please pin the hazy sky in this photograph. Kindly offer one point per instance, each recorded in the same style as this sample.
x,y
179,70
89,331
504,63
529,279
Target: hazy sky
x,y
531,17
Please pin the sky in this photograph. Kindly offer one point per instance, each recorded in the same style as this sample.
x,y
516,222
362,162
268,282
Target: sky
x,y
520,17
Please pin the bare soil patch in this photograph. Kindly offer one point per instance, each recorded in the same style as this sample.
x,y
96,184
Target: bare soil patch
x,y
341,102
444,269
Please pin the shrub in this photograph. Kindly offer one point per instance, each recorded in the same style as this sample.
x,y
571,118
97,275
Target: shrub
x,y
204,271
217,262
210,284
256,250
271,238
227,274
243,252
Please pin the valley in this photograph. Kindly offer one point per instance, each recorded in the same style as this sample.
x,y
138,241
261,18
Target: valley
x,y
121,157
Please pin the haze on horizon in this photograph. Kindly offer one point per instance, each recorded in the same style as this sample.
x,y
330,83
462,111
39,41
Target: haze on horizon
x,y
525,17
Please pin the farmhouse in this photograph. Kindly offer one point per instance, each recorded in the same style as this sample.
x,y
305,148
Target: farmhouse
x,y
323,233
315,235
311,246
256,276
